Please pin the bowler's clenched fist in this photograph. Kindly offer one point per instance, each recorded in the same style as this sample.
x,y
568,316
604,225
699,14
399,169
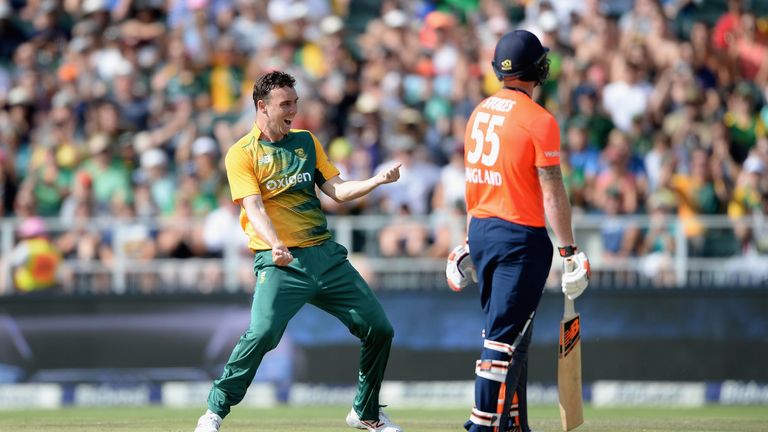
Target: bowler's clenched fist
x,y
281,255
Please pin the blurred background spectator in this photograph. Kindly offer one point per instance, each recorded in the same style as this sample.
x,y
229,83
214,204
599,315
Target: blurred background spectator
x,y
125,109
35,260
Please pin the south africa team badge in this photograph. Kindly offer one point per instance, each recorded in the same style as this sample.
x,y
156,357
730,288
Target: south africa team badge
x,y
301,153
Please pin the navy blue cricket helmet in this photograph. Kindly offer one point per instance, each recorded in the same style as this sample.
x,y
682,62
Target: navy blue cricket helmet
x,y
519,54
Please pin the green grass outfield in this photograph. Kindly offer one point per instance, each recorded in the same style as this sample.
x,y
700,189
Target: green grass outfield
x,y
284,419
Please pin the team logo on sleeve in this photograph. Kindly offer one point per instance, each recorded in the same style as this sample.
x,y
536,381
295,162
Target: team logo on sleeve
x,y
300,153
265,159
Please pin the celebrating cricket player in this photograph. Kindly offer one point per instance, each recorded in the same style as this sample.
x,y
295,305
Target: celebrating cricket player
x,y
272,174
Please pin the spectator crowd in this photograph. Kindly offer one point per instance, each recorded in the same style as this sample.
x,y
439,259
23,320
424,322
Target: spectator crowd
x,y
123,109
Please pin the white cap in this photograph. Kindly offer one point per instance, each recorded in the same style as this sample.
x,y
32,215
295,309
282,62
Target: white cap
x,y
367,103
395,18
18,96
299,10
331,24
142,142
203,145
98,143
153,158
548,21
753,164
91,6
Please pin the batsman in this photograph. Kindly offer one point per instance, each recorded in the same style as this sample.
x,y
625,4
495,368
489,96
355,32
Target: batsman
x,y
513,180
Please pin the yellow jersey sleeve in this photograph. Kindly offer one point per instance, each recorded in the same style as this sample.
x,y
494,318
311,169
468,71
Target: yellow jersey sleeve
x,y
325,170
242,177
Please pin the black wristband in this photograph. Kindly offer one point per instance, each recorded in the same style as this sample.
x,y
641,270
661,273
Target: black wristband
x,y
567,251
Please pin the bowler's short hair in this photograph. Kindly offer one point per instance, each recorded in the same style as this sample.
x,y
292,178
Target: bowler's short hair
x,y
270,81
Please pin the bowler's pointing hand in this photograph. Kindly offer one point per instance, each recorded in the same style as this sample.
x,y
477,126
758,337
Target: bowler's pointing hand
x,y
389,175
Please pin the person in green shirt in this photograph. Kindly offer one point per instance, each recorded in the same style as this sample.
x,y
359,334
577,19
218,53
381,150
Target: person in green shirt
x,y
111,179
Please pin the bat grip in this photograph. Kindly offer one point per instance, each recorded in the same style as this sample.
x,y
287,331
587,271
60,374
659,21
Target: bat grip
x,y
569,309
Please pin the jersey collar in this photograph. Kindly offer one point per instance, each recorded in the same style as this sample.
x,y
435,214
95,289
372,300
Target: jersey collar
x,y
256,132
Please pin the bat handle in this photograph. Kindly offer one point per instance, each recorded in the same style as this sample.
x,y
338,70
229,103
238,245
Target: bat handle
x,y
569,310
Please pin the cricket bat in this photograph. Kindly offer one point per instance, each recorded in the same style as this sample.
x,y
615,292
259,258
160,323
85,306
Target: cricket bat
x,y
569,369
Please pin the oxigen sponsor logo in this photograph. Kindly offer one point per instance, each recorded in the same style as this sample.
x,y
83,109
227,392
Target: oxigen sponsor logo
x,y
288,181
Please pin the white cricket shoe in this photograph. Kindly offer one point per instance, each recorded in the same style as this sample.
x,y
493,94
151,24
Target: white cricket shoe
x,y
383,425
209,422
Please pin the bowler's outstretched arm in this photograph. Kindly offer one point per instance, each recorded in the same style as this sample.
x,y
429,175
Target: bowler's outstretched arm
x,y
347,190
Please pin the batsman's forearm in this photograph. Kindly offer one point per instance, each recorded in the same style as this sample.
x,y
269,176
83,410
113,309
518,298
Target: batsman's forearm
x,y
352,189
557,208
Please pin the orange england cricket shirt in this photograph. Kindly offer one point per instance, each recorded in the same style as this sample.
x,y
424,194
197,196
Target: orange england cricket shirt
x,y
507,137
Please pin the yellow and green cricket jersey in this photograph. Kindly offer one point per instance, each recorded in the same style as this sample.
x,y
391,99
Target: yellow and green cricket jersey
x,y
284,173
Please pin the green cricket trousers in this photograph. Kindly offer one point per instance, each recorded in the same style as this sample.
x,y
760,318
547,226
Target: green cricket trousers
x,y
322,276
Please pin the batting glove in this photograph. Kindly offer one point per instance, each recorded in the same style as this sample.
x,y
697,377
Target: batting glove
x,y
459,268
576,271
